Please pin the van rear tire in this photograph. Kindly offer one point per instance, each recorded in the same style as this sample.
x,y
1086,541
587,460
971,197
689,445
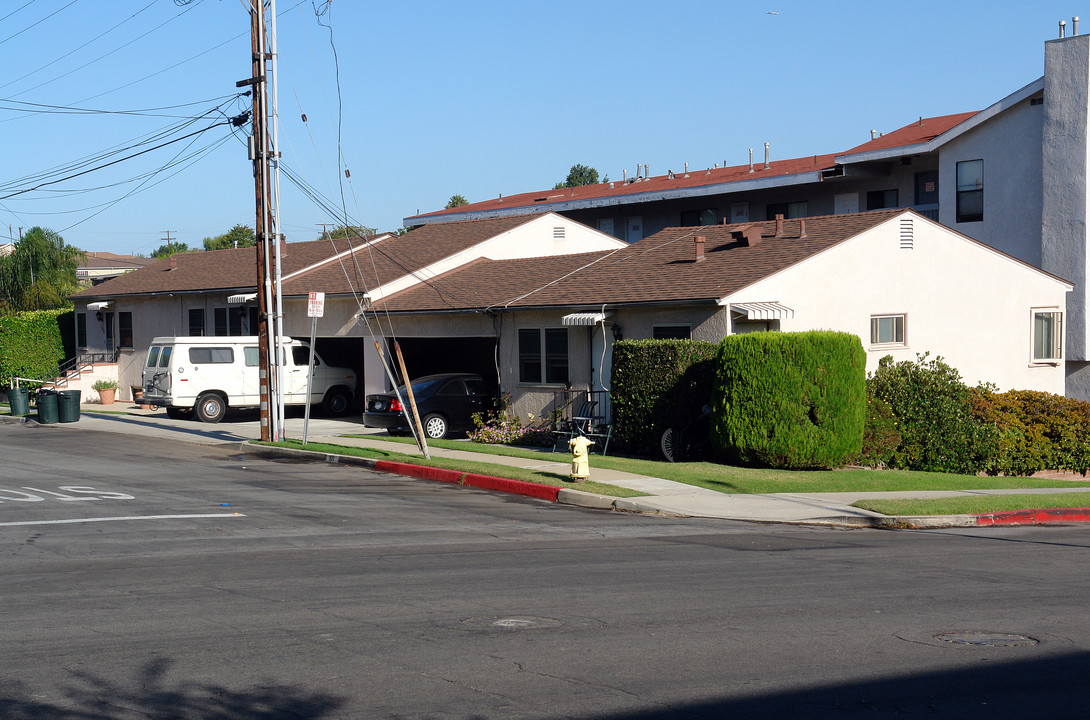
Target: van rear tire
x,y
337,401
211,407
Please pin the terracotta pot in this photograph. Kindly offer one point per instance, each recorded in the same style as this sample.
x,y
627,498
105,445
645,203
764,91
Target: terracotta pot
x,y
107,396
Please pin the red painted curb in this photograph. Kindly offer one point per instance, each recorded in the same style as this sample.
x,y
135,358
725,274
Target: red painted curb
x,y
1035,517
485,482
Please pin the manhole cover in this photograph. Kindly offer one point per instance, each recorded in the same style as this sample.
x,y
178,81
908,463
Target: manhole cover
x,y
982,638
514,622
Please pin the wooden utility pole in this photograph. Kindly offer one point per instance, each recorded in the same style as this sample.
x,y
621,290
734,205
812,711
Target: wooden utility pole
x,y
260,156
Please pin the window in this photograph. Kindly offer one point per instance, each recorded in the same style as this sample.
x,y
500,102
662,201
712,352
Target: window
x,y
214,355
881,199
251,356
227,321
672,332
252,319
300,355
153,356
124,329
970,187
692,218
164,357
1047,335
887,330
543,350
81,330
196,322
788,210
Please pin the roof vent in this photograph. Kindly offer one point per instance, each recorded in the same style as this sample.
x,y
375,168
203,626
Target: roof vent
x,y
906,233
802,229
173,262
699,242
768,157
748,235
779,225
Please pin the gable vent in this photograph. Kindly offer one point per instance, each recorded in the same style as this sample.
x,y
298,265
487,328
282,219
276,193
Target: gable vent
x,y
558,233
906,233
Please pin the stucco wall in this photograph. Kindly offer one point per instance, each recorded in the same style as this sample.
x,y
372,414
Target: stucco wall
x,y
962,301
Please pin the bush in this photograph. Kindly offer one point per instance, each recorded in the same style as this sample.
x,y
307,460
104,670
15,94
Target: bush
x,y
881,434
793,400
1035,431
658,384
32,344
501,427
934,409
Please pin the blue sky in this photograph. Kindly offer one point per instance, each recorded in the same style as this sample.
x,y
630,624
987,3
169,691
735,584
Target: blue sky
x,y
474,98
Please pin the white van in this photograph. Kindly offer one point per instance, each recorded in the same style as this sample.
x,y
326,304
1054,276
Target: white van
x,y
206,375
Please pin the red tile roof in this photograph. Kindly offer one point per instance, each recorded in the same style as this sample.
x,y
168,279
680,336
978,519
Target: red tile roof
x,y
660,268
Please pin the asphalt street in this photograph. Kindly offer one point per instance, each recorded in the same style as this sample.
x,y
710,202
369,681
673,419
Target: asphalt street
x,y
152,578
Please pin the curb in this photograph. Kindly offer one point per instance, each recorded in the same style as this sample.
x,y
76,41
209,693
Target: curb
x,y
484,482
1034,517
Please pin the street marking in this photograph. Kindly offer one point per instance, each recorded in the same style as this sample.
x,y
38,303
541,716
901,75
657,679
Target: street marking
x,y
6,495
115,519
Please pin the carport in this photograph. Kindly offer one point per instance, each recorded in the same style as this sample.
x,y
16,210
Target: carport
x,y
428,356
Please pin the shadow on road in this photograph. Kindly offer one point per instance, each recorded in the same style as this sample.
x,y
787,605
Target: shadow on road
x,y
150,696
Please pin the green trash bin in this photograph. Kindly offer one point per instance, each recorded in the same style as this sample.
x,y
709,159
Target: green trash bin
x,y
19,400
47,407
68,406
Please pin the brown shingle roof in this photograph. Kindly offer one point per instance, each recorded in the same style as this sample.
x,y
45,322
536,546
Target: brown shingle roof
x,y
395,257
658,269
234,269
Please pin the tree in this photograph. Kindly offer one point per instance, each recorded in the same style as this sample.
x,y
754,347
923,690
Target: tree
x,y
240,236
351,231
168,249
456,201
40,273
578,175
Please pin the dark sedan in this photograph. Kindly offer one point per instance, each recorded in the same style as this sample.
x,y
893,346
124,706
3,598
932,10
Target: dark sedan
x,y
446,403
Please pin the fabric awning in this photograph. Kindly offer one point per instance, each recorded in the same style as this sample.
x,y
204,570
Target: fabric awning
x,y
763,310
241,298
589,318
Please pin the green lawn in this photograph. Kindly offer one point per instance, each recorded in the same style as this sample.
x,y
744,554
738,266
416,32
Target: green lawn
x,y
481,468
976,505
731,479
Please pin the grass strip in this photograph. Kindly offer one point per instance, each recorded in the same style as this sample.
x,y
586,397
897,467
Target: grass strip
x,y
741,480
976,504
539,477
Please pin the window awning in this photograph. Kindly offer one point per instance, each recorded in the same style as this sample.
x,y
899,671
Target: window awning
x,y
763,310
590,318
241,298
95,306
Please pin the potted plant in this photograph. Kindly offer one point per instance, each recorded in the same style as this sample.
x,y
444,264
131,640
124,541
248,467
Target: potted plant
x,y
106,389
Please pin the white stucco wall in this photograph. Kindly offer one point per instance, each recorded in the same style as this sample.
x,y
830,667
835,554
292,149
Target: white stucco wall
x,y
962,301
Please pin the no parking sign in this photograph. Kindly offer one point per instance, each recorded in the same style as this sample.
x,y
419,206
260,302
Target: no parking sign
x,y
316,305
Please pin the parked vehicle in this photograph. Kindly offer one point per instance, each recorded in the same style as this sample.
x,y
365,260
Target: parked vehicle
x,y
446,403
207,375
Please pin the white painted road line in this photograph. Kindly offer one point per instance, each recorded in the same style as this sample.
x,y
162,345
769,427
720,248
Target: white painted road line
x,y
115,519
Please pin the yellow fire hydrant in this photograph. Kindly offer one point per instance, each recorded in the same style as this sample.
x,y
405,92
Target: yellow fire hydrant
x,y
580,458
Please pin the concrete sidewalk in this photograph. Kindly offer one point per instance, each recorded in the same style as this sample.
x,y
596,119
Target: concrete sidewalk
x,y
662,496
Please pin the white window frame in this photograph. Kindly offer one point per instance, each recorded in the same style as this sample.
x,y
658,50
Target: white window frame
x,y
1056,350
875,328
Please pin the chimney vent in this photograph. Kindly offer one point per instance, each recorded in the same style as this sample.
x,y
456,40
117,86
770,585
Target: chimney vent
x,y
699,242
1063,29
802,229
751,159
173,262
779,225
1074,26
767,157
873,134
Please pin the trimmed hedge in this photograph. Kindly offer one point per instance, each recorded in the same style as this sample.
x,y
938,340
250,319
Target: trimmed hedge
x,y
791,400
656,384
33,344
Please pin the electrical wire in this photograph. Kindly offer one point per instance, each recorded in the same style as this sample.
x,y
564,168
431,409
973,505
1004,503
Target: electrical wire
x,y
39,22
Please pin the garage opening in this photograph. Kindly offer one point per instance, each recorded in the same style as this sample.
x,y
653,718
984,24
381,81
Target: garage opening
x,y
344,352
428,356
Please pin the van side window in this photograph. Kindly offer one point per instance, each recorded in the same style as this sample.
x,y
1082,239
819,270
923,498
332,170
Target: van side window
x,y
153,357
300,355
250,356
203,355
164,358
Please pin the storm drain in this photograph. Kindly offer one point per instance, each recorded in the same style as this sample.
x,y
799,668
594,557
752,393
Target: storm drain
x,y
982,638
514,622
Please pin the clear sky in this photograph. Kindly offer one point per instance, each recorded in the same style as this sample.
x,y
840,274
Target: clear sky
x,y
474,98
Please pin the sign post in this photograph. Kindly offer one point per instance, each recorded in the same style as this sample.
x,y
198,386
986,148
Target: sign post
x,y
315,310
